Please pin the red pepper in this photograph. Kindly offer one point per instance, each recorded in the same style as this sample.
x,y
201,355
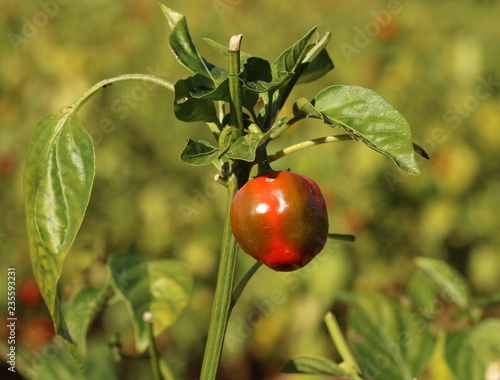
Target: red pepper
x,y
280,219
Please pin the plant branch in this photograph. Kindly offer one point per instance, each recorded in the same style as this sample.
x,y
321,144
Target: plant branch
x,y
120,78
306,144
153,350
343,237
222,299
340,342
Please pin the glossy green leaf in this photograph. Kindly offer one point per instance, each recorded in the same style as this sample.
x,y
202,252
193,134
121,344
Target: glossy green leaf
x,y
451,284
188,108
182,45
58,180
371,119
472,352
388,340
81,311
199,153
314,365
161,287
245,147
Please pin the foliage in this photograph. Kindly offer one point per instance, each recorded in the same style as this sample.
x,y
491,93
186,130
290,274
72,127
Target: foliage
x,y
448,212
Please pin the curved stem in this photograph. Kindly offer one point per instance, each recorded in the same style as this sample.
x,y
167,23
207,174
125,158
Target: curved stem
x,y
120,78
243,282
306,144
340,342
222,300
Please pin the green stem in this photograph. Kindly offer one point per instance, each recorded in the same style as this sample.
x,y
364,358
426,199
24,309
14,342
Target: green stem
x,y
234,86
222,299
343,237
340,342
153,350
120,78
243,282
306,144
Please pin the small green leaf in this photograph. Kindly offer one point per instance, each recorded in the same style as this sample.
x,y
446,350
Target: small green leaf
x,y
58,181
224,50
302,107
199,153
81,311
470,352
182,45
423,293
279,127
317,68
383,331
371,119
257,76
161,287
188,108
314,365
244,148
449,281
56,363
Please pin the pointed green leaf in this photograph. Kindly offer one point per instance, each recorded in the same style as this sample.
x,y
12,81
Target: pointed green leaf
x,y
58,180
182,45
289,60
224,50
314,365
221,93
472,352
199,153
383,331
244,148
161,287
317,68
188,108
449,281
371,119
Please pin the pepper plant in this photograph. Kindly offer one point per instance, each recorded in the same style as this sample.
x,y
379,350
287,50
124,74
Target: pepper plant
x,y
241,102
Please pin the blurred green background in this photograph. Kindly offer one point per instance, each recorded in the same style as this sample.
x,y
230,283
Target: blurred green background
x,y
438,63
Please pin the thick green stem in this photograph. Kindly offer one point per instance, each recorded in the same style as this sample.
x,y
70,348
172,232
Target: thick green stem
x,y
222,300
153,350
120,78
263,161
234,86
